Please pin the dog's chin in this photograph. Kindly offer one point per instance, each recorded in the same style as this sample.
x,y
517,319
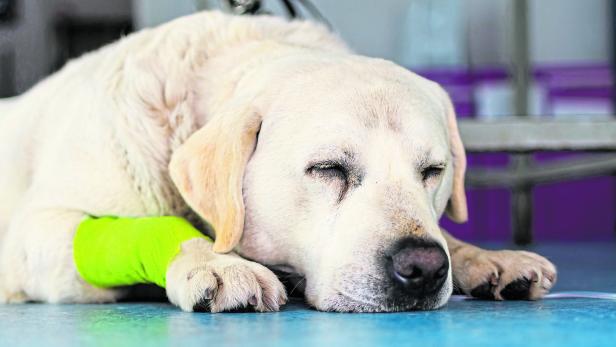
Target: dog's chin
x,y
341,302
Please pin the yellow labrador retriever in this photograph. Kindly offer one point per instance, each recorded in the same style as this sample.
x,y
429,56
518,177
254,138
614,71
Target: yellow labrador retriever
x,y
304,158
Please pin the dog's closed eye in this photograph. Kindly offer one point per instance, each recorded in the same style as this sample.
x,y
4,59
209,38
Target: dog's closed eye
x,y
332,172
431,173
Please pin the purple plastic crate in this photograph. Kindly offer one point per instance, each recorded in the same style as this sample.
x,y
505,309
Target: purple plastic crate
x,y
489,217
576,210
581,210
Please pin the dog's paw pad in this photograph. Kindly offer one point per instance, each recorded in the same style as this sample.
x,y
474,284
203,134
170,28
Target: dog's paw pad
x,y
483,291
486,290
517,290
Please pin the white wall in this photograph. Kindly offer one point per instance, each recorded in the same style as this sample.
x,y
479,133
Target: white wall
x,y
368,26
488,24
149,13
560,31
475,32
570,30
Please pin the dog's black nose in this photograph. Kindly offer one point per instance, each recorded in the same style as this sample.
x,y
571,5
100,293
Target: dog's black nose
x,y
419,266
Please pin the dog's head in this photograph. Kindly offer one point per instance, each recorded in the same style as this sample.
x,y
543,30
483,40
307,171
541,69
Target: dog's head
x,y
337,168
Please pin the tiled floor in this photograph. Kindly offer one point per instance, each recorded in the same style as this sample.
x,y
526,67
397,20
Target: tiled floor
x,y
551,322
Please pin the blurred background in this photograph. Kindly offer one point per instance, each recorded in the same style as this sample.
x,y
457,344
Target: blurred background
x,y
532,83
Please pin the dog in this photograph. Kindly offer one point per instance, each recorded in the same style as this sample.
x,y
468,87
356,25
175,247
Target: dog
x,y
295,154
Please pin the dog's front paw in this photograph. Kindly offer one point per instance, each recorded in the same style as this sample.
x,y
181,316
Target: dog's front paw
x,y
200,280
502,275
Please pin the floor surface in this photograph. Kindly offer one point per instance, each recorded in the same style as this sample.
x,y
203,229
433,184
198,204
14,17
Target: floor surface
x,y
550,322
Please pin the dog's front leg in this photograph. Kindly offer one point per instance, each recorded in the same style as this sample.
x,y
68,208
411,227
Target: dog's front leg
x,y
36,259
38,263
199,279
499,275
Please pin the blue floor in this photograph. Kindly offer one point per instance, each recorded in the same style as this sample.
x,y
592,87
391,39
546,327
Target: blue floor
x,y
550,322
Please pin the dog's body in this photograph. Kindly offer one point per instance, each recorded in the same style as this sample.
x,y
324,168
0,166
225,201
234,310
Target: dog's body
x,y
97,139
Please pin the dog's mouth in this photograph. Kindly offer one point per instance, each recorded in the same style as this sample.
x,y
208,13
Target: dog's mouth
x,y
343,301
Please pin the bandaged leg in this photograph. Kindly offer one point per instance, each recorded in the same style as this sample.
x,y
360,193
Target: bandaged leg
x,y
171,253
111,252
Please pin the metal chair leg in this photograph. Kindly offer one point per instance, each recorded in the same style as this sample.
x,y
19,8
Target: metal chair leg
x,y
521,202
521,215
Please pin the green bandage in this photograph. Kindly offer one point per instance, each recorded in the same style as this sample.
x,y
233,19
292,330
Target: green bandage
x,y
112,252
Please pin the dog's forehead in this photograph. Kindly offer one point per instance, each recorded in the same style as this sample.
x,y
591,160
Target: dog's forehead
x,y
348,101
369,92
397,107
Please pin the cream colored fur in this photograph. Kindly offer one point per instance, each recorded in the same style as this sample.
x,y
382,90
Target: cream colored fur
x,y
97,138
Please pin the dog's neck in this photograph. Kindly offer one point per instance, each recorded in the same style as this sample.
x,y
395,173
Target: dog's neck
x,y
181,75
232,55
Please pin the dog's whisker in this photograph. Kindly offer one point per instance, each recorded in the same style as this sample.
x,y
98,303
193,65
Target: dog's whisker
x,y
297,285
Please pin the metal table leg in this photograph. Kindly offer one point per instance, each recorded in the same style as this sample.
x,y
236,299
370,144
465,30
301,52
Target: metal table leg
x,y
522,214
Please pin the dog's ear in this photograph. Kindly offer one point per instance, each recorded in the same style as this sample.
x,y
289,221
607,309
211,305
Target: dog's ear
x,y
457,209
208,170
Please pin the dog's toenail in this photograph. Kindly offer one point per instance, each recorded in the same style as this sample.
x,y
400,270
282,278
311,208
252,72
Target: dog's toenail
x,y
493,280
208,294
253,300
